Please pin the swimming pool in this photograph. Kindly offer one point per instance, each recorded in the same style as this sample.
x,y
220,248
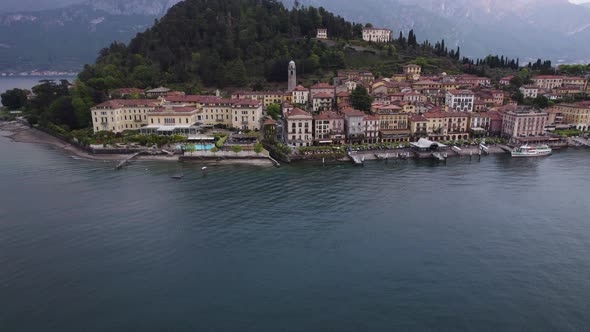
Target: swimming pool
x,y
198,147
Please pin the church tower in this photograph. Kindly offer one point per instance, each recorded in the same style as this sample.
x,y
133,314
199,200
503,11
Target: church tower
x,y
292,76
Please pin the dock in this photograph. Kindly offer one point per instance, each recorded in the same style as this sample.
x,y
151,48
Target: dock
x,y
128,160
505,148
276,163
581,141
439,156
356,160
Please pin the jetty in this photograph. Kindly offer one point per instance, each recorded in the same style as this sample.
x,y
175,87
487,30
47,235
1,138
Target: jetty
x,y
505,148
356,160
581,141
440,156
276,163
128,160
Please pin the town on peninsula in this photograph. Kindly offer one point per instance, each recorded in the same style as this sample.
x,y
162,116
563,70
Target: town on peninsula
x,y
327,90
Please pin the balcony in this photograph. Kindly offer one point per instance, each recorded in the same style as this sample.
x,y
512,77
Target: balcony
x,y
137,120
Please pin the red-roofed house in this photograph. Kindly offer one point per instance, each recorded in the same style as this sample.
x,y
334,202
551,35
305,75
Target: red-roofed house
x,y
322,88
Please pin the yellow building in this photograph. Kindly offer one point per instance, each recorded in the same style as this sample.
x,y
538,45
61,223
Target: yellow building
x,y
576,114
121,114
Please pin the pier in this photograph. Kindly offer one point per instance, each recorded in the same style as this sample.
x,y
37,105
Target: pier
x,y
128,160
356,160
581,141
505,148
439,156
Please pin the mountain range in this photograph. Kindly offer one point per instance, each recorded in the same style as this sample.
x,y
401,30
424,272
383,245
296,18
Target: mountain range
x,y
66,38
529,29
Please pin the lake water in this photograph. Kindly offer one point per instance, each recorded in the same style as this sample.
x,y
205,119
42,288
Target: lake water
x,y
7,83
496,245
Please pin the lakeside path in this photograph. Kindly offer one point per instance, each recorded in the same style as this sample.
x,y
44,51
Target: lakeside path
x,y
18,132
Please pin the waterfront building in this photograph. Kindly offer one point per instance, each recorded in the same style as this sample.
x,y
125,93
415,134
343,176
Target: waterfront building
x,y
328,128
172,120
524,121
377,35
353,125
460,100
418,125
299,127
121,114
576,115
371,126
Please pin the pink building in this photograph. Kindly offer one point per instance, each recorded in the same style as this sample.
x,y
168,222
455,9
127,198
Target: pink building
x,y
328,128
322,88
524,122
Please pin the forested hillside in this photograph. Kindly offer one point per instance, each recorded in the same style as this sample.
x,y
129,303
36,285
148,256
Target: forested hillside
x,y
223,42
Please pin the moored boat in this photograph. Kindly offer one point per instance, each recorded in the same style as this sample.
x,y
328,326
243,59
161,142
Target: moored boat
x,y
531,151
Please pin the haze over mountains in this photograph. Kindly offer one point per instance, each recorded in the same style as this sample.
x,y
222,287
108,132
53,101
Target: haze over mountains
x,y
555,29
65,34
68,37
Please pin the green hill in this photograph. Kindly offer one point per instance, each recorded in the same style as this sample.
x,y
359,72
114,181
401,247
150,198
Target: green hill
x,y
220,43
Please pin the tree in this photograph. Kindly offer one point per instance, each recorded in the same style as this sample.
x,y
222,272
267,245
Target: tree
x,y
541,102
258,147
236,148
14,99
518,97
273,110
360,99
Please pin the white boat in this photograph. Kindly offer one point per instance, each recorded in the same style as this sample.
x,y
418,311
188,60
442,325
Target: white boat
x,y
531,151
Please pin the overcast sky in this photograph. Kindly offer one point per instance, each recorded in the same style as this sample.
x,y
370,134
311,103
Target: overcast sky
x,y
19,5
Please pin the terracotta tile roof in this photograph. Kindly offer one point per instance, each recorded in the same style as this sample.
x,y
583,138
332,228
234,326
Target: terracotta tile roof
x,y
120,103
323,95
183,109
322,86
352,112
417,118
298,112
300,88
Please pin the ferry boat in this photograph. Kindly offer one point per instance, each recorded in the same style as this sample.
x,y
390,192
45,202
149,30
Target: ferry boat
x,y
531,151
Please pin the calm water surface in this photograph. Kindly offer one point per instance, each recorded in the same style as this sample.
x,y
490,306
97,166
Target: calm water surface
x,y
496,245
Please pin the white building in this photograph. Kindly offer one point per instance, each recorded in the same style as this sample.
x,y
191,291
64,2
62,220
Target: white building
x,y
322,34
300,95
460,100
377,35
529,91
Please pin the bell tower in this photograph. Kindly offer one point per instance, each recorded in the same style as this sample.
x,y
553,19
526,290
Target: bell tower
x,y
292,76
